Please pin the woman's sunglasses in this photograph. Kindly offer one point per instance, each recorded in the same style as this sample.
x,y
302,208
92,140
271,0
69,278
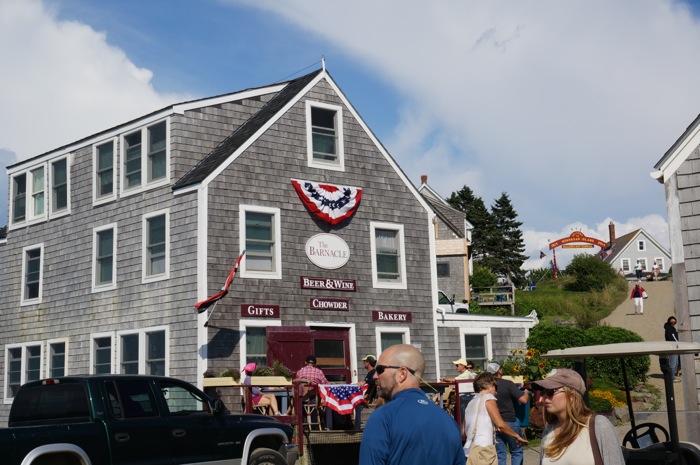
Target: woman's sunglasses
x,y
550,392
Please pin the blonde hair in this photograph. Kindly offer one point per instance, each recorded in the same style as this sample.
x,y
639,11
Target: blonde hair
x,y
577,415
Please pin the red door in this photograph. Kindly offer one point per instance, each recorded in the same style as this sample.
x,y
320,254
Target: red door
x,y
291,344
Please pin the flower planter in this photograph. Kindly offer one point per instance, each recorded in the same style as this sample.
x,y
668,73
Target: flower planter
x,y
219,381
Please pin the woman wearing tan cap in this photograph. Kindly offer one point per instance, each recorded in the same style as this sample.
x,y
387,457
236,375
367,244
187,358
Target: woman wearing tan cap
x,y
567,438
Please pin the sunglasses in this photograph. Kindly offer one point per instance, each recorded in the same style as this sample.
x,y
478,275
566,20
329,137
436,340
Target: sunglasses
x,y
550,392
470,367
380,369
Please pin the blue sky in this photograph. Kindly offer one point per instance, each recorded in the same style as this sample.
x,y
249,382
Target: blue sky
x,y
566,106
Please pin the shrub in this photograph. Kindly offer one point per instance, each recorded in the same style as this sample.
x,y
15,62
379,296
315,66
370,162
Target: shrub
x,y
528,364
599,404
590,273
482,277
545,337
637,367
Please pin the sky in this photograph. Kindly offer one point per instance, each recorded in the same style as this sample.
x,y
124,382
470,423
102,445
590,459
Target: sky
x,y
564,106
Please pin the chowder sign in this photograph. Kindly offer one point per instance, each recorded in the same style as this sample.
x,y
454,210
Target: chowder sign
x,y
327,251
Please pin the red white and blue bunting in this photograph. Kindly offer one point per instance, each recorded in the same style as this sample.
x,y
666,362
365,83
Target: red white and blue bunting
x,y
329,202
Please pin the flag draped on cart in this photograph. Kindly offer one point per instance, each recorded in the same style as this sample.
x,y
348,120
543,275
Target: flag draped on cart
x,y
205,304
343,398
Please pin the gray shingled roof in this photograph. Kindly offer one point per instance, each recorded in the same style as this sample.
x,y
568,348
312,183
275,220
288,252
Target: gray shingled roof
x,y
452,217
229,145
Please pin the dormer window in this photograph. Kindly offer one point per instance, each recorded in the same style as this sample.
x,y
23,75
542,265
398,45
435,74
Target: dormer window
x,y
325,136
145,158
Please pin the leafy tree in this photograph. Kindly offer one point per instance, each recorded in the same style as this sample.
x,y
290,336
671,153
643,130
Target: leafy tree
x,y
482,277
507,246
473,206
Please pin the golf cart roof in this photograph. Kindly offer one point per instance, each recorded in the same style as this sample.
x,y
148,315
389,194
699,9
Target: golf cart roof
x,y
626,349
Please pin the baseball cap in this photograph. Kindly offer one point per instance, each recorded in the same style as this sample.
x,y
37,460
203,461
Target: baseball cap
x,y
310,359
461,361
562,377
249,367
369,358
493,367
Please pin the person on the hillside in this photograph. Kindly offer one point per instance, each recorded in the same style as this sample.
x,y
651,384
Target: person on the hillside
x,y
507,397
638,270
567,438
638,296
655,270
671,334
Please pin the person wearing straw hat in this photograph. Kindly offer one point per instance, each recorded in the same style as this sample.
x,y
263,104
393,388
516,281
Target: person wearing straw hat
x,y
568,437
260,399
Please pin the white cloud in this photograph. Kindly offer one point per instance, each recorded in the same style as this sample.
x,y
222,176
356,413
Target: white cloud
x,y
63,81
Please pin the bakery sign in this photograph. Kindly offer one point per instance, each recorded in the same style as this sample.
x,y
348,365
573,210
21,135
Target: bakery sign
x,y
327,251
394,317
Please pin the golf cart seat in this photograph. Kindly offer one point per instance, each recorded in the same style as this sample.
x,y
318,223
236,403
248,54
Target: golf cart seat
x,y
660,453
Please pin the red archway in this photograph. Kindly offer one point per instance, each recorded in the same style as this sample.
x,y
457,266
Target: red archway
x,y
576,240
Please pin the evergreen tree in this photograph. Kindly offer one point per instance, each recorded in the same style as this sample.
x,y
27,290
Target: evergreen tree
x,y
473,206
506,248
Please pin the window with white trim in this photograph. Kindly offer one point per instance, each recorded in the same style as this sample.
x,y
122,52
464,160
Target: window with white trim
x,y
59,186
103,177
643,263
23,363
156,246
260,238
19,198
57,351
101,360
388,336
388,255
476,346
146,155
38,189
641,246
254,339
32,274
324,130
625,265
143,352
104,253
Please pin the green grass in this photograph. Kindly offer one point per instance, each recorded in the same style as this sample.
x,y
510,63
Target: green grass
x,y
556,305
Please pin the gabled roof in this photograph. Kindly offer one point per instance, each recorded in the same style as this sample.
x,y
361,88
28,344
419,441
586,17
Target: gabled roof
x,y
623,242
229,145
679,152
454,219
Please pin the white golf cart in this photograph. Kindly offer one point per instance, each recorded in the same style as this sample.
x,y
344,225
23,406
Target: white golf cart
x,y
645,443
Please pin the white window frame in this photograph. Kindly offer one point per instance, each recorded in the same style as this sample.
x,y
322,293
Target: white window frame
x,y
339,165
112,340
98,287
23,364
661,262
376,283
11,213
145,184
145,277
626,261
117,340
49,344
379,330
66,211
476,332
31,216
277,230
641,245
23,300
244,324
96,199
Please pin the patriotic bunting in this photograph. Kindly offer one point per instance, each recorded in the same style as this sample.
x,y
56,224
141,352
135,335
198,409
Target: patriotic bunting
x,y
332,203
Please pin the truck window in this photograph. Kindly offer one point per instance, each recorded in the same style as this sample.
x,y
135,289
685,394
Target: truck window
x,y
131,398
58,401
182,401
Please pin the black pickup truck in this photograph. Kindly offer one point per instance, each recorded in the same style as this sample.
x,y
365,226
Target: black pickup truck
x,y
134,420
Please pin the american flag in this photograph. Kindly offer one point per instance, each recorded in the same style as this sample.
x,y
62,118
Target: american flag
x,y
343,398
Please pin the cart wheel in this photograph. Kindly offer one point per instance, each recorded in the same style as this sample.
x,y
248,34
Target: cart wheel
x,y
639,440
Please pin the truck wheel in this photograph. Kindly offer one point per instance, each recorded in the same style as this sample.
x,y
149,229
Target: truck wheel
x,y
266,457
